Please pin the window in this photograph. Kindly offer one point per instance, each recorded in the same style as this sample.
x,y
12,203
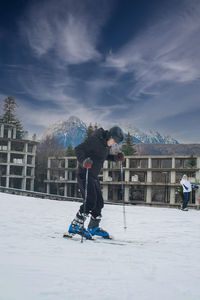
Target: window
x,y
3,157
137,193
166,163
138,163
156,163
160,194
141,176
17,146
29,160
163,177
179,175
30,148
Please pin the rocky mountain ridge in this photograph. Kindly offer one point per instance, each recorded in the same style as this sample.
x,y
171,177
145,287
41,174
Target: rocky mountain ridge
x,y
73,131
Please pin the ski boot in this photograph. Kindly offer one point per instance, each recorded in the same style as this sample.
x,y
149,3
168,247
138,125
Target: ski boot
x,y
184,209
94,229
76,227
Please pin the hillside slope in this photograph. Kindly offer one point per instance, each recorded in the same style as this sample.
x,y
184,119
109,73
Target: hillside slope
x,y
159,261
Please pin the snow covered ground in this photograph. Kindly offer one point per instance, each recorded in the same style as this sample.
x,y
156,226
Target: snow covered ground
x,y
36,263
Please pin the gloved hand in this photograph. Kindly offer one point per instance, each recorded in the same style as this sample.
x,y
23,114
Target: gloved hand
x,y
120,157
87,163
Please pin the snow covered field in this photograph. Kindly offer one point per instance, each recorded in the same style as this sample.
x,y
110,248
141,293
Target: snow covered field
x,y
36,263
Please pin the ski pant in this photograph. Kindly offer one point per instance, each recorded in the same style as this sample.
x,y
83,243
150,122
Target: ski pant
x,y
186,199
94,202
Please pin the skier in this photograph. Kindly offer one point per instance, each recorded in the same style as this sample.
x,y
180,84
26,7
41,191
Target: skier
x,y
187,189
91,155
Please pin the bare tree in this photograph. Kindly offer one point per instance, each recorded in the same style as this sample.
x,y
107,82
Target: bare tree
x,y
48,147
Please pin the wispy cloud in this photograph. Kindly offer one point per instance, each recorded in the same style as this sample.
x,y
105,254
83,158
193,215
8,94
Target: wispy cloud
x,y
154,76
67,30
61,34
163,62
166,51
44,117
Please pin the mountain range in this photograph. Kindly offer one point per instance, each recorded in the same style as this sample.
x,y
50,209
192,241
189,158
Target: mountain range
x,y
73,131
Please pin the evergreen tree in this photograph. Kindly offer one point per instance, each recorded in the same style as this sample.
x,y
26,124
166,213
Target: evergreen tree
x,y
95,126
192,161
70,151
128,147
9,116
89,131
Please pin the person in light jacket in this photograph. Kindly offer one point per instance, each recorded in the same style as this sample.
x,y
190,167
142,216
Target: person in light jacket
x,y
187,189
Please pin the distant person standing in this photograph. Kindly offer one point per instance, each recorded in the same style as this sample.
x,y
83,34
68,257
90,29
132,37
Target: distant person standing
x,y
187,189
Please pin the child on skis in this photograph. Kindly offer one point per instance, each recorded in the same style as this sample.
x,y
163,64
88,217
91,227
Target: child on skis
x,y
91,155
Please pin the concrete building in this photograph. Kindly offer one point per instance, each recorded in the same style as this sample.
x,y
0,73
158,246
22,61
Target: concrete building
x,y
152,180
17,159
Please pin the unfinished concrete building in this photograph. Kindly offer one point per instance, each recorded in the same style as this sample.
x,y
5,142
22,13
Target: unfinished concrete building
x,y
17,159
146,179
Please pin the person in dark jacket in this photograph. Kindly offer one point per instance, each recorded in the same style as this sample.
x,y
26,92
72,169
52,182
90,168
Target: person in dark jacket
x,y
91,155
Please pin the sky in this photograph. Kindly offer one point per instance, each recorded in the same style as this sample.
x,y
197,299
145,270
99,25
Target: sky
x,y
103,60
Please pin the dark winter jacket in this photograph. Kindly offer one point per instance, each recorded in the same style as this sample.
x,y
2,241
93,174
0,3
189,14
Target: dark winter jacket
x,y
96,148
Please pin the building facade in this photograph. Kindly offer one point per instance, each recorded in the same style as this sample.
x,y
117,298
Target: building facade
x,y
17,159
146,179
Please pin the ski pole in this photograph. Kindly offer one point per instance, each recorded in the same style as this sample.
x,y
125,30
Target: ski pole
x,y
85,199
123,199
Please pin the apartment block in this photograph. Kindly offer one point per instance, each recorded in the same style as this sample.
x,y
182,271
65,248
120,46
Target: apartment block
x,y
17,159
145,179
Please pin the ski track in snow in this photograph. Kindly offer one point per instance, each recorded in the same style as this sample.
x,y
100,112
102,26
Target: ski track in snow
x,y
160,260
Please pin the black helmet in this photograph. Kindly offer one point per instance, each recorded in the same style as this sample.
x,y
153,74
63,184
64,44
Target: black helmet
x,y
117,134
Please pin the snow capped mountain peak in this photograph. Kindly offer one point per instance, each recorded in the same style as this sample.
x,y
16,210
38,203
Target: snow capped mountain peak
x,y
74,119
73,131
63,126
164,139
67,132
139,136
